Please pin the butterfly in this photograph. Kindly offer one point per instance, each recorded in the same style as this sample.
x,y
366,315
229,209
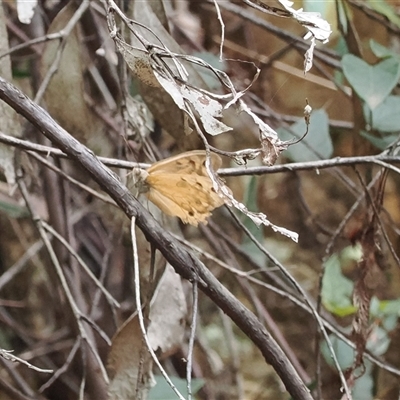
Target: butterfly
x,y
180,186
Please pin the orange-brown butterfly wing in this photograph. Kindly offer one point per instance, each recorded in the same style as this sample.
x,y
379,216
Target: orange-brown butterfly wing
x,y
186,163
189,197
180,186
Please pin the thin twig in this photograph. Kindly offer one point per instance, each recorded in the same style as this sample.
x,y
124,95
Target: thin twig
x,y
237,171
63,174
59,272
189,358
18,266
82,263
7,355
63,368
140,313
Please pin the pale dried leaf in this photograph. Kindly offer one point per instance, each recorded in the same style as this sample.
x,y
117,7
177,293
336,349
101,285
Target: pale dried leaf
x,y
271,145
167,313
308,57
316,25
152,75
126,356
165,332
208,109
152,61
257,218
138,61
25,10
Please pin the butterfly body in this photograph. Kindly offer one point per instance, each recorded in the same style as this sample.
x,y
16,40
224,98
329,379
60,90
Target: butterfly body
x,y
180,186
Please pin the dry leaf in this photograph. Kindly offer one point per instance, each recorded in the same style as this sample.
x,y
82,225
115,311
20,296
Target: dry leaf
x,y
129,362
168,311
271,145
26,10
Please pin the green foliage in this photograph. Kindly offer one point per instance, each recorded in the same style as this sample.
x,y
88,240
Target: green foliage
x,y
336,288
372,83
363,387
13,210
336,297
162,391
386,9
381,51
378,344
344,353
386,116
382,142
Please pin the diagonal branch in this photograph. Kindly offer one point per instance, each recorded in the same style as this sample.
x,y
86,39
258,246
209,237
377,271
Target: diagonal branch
x,y
184,261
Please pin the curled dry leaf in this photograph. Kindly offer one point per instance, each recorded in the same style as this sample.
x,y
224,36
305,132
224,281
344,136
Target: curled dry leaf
x,y
241,157
25,10
257,218
318,29
308,57
271,145
316,25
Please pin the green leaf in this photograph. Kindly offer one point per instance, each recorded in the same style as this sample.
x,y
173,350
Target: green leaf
x,y
381,51
373,83
378,341
385,117
363,386
344,353
162,391
316,145
13,210
336,288
390,307
384,8
381,143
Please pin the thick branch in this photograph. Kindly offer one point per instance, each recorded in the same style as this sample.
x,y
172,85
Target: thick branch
x,y
185,262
